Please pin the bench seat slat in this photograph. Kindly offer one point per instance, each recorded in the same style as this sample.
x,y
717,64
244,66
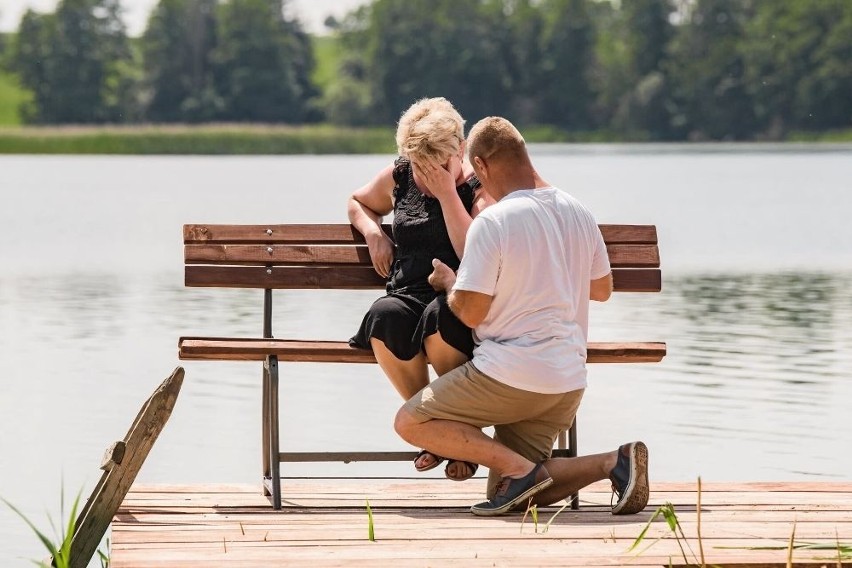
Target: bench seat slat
x,y
346,234
344,277
246,349
620,255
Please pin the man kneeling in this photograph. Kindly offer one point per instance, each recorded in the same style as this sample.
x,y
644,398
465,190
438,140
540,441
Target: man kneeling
x,y
531,264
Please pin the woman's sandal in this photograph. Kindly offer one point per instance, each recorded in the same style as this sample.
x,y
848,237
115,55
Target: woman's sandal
x,y
472,467
438,460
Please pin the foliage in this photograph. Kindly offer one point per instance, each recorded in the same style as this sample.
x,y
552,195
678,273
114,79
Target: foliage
x,y
263,63
566,57
707,71
12,97
60,553
409,49
797,64
178,47
74,61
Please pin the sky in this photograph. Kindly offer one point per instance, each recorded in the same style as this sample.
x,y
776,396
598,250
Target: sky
x,y
312,13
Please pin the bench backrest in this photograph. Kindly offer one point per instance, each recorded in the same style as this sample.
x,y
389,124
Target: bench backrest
x,y
301,256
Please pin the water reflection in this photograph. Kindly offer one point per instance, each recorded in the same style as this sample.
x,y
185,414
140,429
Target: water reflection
x,y
758,358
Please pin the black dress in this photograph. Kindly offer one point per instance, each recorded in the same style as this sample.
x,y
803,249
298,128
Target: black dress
x,y
412,310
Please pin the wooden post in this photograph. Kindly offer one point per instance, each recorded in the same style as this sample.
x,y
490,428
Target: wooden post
x,y
121,463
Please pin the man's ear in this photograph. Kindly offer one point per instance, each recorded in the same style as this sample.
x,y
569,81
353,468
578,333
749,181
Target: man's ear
x,y
481,168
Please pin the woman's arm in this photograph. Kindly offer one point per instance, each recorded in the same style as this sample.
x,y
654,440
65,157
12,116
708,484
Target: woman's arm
x,y
366,208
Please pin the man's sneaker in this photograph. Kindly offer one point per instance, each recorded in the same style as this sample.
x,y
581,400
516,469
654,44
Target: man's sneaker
x,y
512,492
630,479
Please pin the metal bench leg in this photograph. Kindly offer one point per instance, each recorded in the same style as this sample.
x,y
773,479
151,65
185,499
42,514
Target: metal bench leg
x,y
272,465
572,453
264,428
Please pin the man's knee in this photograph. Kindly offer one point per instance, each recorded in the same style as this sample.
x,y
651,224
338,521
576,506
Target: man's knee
x,y
404,422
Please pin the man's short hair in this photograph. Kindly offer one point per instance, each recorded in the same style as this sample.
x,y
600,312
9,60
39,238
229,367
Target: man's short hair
x,y
431,129
493,136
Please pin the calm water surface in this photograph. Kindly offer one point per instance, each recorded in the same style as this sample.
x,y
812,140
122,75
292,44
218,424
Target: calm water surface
x,y
756,310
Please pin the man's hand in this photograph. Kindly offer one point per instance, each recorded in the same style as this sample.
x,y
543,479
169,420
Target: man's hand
x,y
442,277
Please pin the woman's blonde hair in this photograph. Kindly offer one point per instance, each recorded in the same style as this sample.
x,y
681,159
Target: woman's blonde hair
x,y
431,129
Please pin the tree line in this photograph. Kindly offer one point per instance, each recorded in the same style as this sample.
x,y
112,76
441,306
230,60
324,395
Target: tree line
x,y
638,69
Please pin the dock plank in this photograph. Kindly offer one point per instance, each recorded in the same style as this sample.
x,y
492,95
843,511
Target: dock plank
x,y
426,522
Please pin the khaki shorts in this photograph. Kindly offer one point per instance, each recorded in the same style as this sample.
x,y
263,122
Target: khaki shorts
x,y
526,422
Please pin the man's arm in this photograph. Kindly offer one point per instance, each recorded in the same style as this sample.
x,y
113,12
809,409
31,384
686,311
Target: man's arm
x,y
470,307
601,289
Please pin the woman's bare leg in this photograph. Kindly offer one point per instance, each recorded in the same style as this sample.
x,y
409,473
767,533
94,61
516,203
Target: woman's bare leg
x,y
407,377
442,356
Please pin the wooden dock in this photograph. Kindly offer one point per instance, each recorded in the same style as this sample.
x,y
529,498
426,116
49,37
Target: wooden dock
x,y
420,522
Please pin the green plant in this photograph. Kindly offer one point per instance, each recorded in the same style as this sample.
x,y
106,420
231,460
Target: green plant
x,y
61,552
371,533
532,511
104,556
667,511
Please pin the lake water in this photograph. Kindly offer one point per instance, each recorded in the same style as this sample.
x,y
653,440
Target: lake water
x,y
756,309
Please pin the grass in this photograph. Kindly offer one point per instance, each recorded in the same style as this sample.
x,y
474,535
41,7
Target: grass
x,y
371,532
842,135
206,139
59,547
532,511
12,95
841,551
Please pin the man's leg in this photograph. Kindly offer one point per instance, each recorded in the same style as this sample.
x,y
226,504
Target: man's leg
x,y
461,403
572,474
460,441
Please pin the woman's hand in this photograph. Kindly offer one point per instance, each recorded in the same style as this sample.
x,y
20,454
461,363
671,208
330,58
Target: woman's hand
x,y
381,249
442,277
438,181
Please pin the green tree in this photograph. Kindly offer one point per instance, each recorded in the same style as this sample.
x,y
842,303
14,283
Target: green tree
x,y
76,62
798,68
348,100
263,64
419,48
644,101
711,98
521,44
178,46
648,33
32,59
567,56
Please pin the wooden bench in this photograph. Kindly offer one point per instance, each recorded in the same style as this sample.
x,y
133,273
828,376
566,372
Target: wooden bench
x,y
287,257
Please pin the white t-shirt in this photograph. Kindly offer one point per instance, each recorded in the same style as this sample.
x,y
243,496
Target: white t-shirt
x,y
535,252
